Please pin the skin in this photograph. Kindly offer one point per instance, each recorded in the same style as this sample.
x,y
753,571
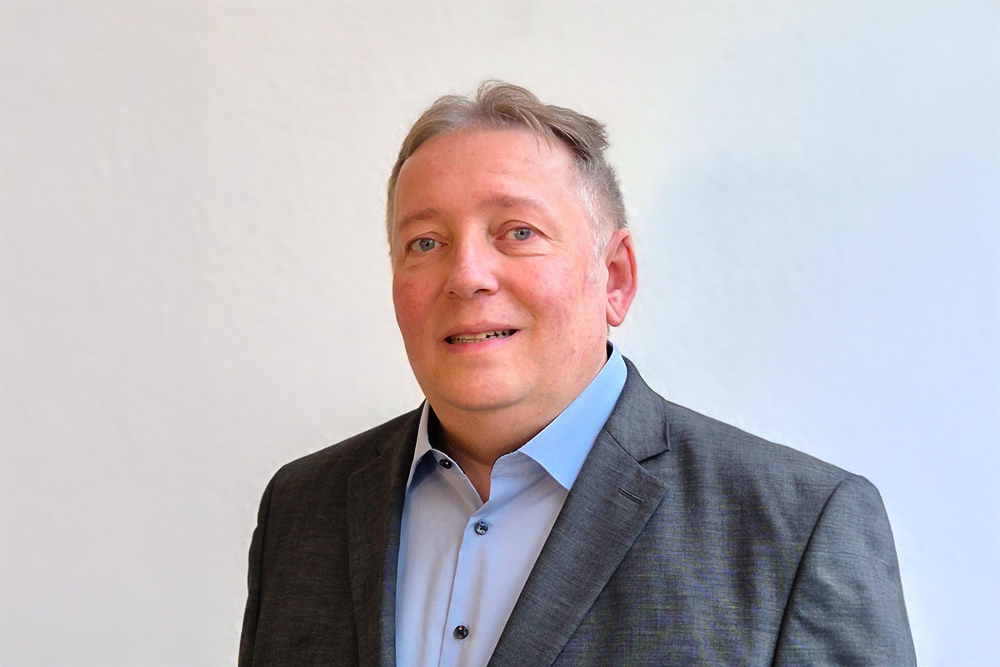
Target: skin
x,y
490,234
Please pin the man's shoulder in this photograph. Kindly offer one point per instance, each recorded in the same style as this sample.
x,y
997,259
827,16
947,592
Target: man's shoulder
x,y
749,494
708,454
751,470
340,460
713,443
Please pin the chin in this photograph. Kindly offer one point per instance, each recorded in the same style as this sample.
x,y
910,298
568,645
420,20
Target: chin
x,y
479,397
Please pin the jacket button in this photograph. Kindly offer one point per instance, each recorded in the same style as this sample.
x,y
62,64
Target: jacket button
x,y
481,528
461,632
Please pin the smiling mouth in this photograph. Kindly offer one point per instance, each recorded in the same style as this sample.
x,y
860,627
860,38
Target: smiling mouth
x,y
479,337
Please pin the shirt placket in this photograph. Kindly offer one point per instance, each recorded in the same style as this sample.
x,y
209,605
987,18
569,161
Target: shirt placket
x,y
458,639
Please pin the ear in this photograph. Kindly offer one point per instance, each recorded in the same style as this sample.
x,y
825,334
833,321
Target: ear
x,y
619,259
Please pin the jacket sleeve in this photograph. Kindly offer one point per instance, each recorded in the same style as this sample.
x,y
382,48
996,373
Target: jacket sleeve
x,y
846,604
249,635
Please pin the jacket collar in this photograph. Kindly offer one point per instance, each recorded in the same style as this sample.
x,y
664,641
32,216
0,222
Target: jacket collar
x,y
375,509
605,512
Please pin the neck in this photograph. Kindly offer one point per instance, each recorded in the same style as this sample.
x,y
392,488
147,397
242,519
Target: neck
x,y
475,439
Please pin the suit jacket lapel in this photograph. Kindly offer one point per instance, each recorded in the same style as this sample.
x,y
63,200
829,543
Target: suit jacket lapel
x,y
376,494
607,508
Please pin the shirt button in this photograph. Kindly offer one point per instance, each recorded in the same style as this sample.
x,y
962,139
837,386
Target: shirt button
x,y
481,528
461,632
445,463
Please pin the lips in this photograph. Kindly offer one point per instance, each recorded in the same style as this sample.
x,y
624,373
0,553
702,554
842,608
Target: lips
x,y
464,338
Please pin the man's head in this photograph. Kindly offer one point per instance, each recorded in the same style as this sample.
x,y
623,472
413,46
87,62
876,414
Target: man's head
x,y
501,298
499,105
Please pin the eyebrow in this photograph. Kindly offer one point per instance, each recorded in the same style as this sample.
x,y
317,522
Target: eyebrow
x,y
422,214
514,201
501,200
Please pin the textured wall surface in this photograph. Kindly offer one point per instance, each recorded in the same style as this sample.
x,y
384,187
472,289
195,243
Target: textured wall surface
x,y
195,285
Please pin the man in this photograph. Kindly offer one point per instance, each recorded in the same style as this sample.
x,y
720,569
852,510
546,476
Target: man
x,y
544,506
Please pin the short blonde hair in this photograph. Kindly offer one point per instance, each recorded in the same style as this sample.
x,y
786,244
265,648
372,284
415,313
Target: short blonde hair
x,y
499,105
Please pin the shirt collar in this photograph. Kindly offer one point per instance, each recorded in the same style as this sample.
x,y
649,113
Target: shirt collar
x,y
423,445
563,445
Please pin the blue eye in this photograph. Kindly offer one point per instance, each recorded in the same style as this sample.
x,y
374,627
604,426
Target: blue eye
x,y
520,234
423,245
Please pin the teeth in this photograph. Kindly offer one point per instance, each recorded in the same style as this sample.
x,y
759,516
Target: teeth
x,y
478,338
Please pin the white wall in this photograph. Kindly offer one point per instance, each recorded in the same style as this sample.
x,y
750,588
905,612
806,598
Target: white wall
x,y
195,287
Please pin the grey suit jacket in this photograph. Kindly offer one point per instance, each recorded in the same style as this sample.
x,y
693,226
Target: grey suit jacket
x,y
683,541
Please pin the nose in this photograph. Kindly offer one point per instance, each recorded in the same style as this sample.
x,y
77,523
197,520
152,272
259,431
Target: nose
x,y
471,270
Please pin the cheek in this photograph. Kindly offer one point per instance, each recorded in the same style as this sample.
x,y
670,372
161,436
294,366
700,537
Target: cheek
x,y
566,299
410,299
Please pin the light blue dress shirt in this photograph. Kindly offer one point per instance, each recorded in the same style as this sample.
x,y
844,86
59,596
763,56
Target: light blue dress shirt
x,y
462,562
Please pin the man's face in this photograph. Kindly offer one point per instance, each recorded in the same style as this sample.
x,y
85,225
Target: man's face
x,y
498,296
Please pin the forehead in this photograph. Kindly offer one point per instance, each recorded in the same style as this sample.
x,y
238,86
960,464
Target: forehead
x,y
475,165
